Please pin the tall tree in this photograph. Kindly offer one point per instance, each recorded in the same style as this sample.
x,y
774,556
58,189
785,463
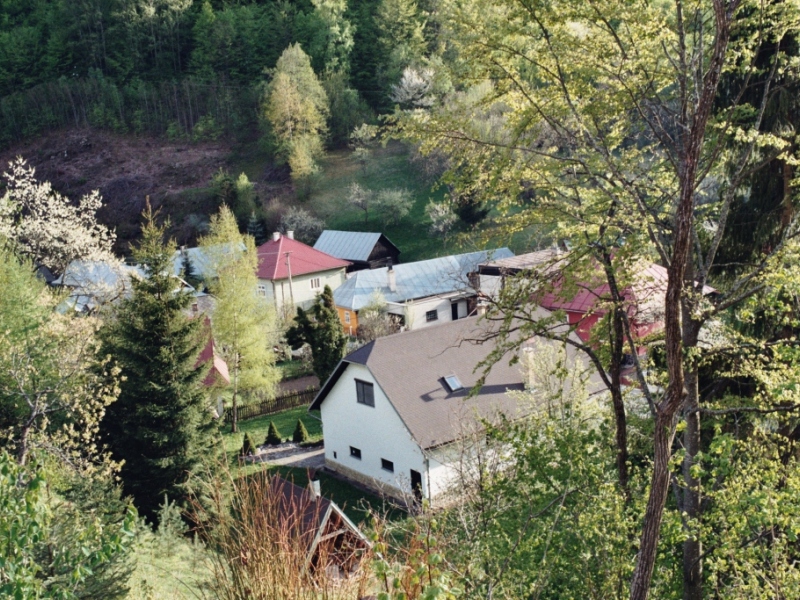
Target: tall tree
x,y
243,322
587,118
162,424
322,330
296,107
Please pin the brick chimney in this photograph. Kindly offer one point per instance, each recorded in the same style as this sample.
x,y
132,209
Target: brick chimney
x,y
290,234
391,278
276,236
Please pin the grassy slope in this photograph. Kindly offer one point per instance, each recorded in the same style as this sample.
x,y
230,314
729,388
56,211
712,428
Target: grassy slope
x,y
387,168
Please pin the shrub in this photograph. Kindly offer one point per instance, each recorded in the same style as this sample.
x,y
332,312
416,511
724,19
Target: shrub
x,y
273,435
300,434
248,447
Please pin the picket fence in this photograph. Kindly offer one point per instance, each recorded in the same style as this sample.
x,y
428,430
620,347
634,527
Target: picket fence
x,y
277,404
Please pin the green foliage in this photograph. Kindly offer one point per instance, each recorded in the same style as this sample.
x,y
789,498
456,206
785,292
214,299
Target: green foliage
x,y
162,425
248,446
321,329
274,437
300,434
256,229
296,108
243,322
58,548
237,194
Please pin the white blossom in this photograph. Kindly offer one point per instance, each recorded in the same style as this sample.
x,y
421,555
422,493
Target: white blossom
x,y
47,227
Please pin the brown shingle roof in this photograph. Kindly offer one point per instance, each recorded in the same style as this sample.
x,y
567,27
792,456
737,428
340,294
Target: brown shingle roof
x,y
410,368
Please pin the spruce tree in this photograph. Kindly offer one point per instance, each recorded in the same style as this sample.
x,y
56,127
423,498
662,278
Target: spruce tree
x,y
321,329
161,425
248,446
256,229
300,434
274,437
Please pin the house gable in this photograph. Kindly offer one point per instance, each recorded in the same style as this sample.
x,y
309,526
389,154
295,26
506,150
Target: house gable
x,y
377,432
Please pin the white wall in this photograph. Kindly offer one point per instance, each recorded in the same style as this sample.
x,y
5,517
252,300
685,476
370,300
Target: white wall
x,y
377,431
415,311
301,290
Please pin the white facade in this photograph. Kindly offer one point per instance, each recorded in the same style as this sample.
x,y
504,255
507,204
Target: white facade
x,y
418,313
377,431
303,288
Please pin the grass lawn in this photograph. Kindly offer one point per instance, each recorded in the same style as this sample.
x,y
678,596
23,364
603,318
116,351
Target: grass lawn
x,y
388,167
356,503
292,369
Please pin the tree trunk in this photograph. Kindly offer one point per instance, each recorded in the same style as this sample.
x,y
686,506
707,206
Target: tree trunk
x,y
692,546
620,420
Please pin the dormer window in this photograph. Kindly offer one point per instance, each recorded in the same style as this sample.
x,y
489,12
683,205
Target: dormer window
x,y
453,384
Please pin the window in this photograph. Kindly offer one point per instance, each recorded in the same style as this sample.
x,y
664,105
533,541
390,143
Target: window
x,y
347,317
387,465
334,454
355,453
261,289
432,315
315,283
365,394
453,383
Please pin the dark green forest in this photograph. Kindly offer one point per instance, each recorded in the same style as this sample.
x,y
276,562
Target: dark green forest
x,y
190,67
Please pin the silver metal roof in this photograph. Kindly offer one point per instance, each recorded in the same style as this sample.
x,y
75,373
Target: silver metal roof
x,y
414,280
347,245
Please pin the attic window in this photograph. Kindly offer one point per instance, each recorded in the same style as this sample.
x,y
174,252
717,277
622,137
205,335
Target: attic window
x,y
453,384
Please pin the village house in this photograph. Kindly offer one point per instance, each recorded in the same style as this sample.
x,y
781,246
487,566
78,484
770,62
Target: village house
x,y
394,410
363,250
418,294
291,273
644,297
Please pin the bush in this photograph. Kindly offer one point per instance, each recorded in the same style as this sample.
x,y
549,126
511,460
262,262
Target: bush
x,y
300,434
273,435
248,447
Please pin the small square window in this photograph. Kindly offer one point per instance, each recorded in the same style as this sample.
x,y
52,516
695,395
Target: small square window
x,y
453,383
355,453
315,283
387,465
262,290
432,315
365,393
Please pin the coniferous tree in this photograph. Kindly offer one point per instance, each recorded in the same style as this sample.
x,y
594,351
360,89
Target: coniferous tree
x,y
274,437
162,423
321,329
300,434
256,229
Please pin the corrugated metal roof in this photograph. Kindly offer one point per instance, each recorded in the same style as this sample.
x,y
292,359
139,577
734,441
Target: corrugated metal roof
x,y
414,280
349,245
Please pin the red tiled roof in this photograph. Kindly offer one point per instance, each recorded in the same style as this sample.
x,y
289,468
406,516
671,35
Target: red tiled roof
x,y
219,368
302,258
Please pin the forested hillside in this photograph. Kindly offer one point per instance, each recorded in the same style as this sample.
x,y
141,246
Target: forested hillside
x,y
191,67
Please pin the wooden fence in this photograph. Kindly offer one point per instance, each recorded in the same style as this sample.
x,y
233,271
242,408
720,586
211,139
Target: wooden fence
x,y
277,404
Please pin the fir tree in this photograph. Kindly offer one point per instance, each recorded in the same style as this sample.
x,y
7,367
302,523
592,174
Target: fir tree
x,y
273,435
161,425
321,329
300,434
256,229
248,446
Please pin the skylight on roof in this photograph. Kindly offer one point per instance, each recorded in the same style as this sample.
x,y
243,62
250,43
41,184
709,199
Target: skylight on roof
x,y
453,384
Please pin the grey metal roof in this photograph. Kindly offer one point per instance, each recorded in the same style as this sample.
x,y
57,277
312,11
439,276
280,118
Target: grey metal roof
x,y
410,368
347,245
414,280
95,282
200,258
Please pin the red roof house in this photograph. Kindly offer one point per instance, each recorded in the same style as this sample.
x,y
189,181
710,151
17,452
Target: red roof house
x,y
293,273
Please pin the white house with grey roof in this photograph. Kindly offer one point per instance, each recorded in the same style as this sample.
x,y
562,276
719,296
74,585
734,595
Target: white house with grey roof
x,y
423,293
394,410
362,249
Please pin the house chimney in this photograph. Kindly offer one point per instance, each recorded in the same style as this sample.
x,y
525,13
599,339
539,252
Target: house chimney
x,y
276,236
290,234
314,488
481,308
391,279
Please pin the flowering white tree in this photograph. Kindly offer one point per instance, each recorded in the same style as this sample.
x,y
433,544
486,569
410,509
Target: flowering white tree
x,y
47,227
414,89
